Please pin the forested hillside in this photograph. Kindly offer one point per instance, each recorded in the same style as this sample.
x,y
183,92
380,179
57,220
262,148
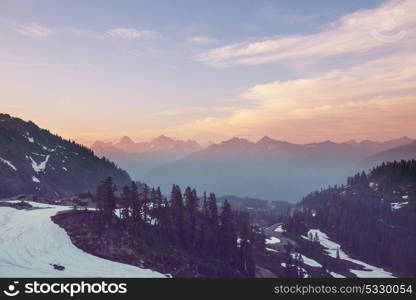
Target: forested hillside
x,y
35,161
184,236
373,216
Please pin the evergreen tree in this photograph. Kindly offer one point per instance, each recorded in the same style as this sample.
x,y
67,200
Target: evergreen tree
x,y
227,236
106,200
125,203
191,207
145,202
204,233
176,201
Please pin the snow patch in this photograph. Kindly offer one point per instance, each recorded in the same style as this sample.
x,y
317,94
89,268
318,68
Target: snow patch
x,y
29,138
279,228
272,250
8,163
397,205
35,179
331,249
41,166
272,240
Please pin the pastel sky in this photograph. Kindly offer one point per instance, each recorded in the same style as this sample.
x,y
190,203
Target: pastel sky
x,y
297,70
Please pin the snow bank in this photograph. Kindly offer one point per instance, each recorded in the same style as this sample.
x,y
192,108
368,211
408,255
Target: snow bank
x,y
331,248
30,242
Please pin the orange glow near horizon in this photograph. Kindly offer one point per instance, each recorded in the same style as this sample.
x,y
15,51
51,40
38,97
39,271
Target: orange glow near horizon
x,y
354,78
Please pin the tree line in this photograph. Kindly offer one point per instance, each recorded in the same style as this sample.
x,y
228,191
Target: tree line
x,y
185,220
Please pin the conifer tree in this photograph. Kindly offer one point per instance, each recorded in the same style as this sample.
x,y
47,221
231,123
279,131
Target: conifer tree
x,y
213,221
176,201
227,236
203,240
145,202
125,203
106,200
191,206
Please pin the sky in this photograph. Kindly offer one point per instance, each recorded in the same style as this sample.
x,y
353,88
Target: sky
x,y
301,71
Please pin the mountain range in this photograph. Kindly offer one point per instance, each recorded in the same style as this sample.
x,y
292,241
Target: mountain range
x,y
267,169
159,144
35,161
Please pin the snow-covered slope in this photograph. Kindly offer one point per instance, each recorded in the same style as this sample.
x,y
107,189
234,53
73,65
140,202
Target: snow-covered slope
x,y
30,244
331,249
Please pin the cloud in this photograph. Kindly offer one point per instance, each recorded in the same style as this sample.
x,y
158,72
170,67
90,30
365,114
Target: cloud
x,y
363,31
201,40
373,97
131,34
33,30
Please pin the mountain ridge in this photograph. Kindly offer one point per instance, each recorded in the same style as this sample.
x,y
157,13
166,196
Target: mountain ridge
x,y
35,161
268,168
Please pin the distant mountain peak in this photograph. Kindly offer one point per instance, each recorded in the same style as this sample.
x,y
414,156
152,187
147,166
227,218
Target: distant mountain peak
x,y
163,139
161,143
235,139
125,140
265,140
404,139
351,142
235,142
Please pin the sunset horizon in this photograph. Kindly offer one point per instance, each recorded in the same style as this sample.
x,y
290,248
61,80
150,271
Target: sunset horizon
x,y
301,74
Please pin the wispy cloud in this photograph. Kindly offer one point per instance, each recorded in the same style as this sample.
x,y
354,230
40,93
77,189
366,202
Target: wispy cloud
x,y
201,40
33,30
360,32
374,100
375,97
131,34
